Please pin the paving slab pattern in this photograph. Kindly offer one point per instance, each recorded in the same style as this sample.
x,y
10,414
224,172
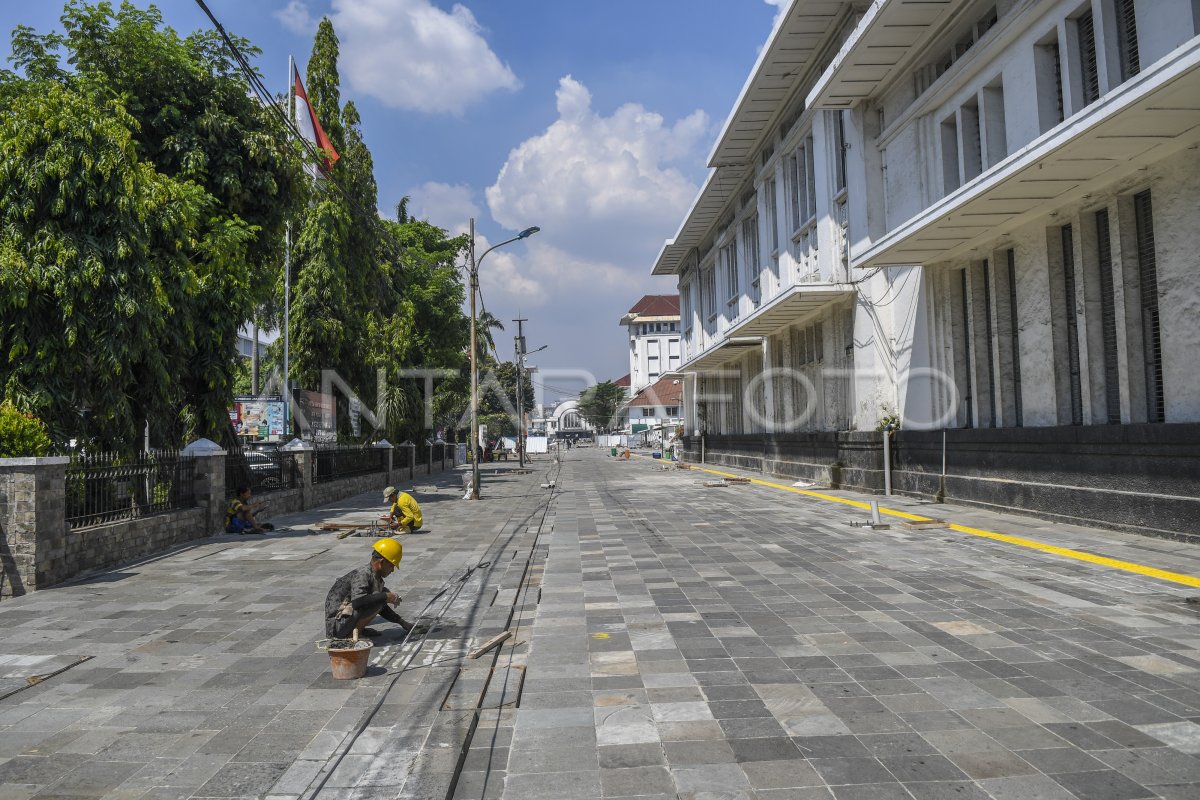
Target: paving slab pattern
x,y
670,641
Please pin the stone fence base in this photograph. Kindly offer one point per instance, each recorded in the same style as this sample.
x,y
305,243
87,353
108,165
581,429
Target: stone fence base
x,y
39,549
1144,478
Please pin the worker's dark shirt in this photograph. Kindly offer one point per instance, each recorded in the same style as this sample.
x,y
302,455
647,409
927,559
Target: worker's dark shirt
x,y
356,593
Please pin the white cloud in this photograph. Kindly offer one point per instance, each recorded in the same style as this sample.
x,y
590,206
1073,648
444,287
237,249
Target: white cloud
x,y
781,7
410,54
445,205
606,191
296,18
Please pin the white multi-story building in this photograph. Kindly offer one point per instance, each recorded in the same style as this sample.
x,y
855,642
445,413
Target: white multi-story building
x,y
654,339
959,215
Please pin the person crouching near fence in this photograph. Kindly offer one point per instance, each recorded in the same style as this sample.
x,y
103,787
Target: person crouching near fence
x,y
240,515
405,514
356,598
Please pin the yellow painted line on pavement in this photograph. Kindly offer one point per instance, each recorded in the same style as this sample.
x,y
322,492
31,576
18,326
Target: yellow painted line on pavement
x,y
1020,541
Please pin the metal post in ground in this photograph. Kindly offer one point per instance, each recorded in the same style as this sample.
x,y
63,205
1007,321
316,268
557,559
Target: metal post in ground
x,y
887,460
940,497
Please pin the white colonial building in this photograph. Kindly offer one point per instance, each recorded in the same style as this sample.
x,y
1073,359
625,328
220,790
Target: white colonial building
x,y
654,339
964,215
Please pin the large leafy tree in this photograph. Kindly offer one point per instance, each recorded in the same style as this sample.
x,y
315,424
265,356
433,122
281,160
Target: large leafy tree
x,y
600,403
373,295
142,200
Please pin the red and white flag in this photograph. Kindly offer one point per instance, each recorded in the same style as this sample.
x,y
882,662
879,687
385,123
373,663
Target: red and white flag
x,y
310,127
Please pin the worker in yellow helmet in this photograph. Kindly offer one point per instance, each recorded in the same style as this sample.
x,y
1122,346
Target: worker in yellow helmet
x,y
405,514
359,596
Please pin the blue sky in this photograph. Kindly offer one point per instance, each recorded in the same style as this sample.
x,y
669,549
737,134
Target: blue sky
x,y
590,119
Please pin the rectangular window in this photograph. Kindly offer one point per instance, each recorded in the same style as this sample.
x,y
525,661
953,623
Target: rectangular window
x,y
1148,284
1089,67
647,411
989,339
1048,69
710,292
729,263
750,244
972,144
1108,316
1127,43
968,395
802,189
839,143
950,174
1018,412
672,411
810,176
685,306
994,122
1072,318
792,174
772,215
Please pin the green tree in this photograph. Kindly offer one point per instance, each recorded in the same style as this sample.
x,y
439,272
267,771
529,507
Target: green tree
x,y
143,200
21,434
485,322
599,404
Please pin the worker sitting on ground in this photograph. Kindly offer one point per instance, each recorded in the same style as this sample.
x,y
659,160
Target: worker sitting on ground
x,y
359,596
404,515
240,515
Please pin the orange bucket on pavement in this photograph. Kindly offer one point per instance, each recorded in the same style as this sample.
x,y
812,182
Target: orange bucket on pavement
x,y
348,659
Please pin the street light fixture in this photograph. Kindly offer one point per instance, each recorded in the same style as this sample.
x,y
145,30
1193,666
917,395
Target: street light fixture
x,y
475,449
521,397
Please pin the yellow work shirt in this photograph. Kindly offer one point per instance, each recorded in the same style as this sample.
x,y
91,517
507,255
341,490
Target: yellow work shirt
x,y
406,511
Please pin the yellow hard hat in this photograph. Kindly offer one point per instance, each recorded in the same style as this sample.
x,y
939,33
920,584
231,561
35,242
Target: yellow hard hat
x,y
390,549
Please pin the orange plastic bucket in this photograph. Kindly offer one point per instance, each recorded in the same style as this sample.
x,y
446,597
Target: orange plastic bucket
x,y
348,663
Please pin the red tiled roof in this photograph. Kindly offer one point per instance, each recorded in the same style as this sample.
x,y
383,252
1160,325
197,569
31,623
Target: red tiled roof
x,y
625,381
663,392
657,305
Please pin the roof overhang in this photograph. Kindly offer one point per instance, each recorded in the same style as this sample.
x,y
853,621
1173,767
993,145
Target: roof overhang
x,y
796,303
720,353
714,196
799,35
883,39
796,41
1143,121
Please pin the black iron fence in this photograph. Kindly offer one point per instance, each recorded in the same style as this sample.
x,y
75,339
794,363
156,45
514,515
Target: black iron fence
x,y
259,470
107,487
346,462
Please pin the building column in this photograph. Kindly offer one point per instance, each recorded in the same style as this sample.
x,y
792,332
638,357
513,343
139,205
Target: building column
x,y
33,523
209,482
768,387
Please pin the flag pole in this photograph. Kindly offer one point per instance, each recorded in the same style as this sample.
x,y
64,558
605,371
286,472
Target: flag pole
x,y
287,281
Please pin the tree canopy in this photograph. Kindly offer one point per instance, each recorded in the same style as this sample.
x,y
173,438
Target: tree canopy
x,y
599,404
143,194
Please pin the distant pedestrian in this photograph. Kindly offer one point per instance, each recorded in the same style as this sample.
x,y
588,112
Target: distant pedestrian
x,y
240,514
405,513
360,595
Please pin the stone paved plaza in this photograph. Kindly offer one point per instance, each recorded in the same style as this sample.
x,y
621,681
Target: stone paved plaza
x,y
669,639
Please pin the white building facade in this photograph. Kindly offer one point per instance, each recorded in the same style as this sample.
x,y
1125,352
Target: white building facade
x,y
655,346
952,215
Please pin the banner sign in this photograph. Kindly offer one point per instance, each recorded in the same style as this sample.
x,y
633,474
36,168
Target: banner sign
x,y
258,417
316,414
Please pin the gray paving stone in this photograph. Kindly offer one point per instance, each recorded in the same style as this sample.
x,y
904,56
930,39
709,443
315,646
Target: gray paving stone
x,y
912,657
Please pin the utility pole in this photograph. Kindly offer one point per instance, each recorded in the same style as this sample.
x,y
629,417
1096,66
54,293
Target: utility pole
x,y
519,346
475,449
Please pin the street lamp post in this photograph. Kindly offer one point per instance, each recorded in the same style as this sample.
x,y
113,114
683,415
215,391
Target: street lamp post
x,y
474,285
520,348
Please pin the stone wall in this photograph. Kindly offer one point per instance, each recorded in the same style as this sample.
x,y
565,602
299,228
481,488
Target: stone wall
x,y
1144,478
39,549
